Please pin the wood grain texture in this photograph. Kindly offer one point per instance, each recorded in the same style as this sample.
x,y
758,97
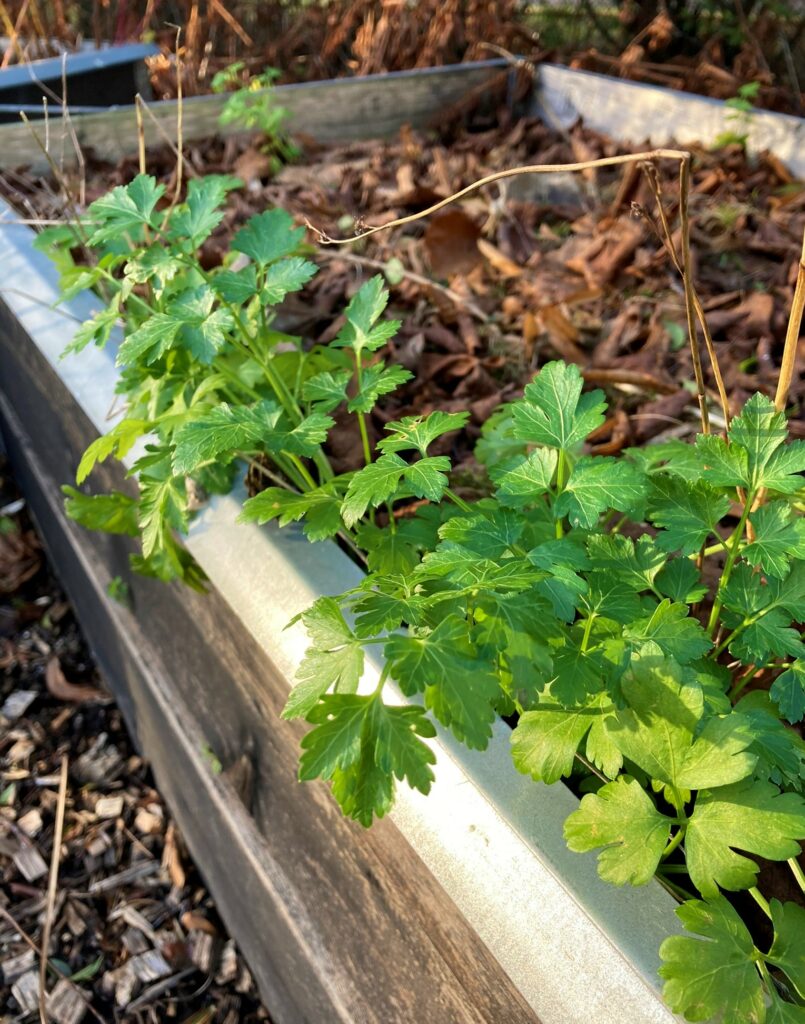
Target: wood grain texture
x,y
338,924
339,110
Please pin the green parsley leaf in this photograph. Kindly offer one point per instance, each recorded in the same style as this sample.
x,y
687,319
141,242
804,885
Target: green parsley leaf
x,y
112,513
362,745
320,509
327,389
525,480
284,277
788,692
788,949
622,818
377,380
750,815
268,237
124,210
680,580
545,740
687,512
675,632
597,484
237,286
202,212
660,731
119,442
554,412
378,481
416,433
717,976
335,658
95,331
362,332
778,539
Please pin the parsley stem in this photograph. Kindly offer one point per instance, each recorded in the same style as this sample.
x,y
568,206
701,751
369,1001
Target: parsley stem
x,y
560,486
384,674
742,681
458,502
675,841
367,451
588,627
761,901
737,537
302,470
797,872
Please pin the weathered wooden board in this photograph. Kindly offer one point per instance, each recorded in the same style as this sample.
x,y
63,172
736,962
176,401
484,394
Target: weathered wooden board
x,y
338,925
339,110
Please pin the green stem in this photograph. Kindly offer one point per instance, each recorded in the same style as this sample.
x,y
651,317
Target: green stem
x,y
742,681
677,839
588,627
457,501
367,451
797,872
302,470
381,681
737,537
560,486
761,901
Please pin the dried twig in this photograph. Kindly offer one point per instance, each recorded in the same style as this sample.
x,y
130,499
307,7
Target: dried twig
x,y
32,945
792,335
666,238
682,157
53,881
138,108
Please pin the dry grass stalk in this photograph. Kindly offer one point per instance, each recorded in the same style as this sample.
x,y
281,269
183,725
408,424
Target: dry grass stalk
x,y
666,236
792,335
53,882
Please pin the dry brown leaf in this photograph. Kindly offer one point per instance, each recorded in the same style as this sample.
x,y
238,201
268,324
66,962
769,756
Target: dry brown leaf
x,y
505,267
450,242
62,689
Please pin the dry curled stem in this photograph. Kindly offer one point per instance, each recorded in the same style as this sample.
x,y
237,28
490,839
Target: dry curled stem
x,y
682,157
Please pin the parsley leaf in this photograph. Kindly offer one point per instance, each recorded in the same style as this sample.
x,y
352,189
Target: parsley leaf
x,y
526,479
416,433
335,658
597,484
378,481
268,237
686,512
112,513
361,745
751,815
320,509
554,412
362,332
778,539
788,692
715,975
622,818
377,380
546,739
675,632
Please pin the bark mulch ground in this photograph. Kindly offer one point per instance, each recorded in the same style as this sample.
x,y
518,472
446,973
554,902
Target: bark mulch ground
x,y
135,935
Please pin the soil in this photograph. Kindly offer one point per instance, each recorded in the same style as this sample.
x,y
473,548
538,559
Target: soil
x,y
133,925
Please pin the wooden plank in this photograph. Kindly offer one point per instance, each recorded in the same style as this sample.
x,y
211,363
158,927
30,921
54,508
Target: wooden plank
x,y
338,925
339,110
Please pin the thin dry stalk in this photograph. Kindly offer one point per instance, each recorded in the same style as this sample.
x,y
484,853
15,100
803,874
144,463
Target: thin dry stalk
x,y
687,278
32,945
138,107
792,335
165,137
60,181
13,34
668,241
680,156
53,883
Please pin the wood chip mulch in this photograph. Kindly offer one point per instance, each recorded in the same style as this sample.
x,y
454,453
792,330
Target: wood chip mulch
x,y
135,935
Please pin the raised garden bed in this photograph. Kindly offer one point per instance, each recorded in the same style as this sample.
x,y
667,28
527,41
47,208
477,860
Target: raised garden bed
x,y
91,79
484,833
